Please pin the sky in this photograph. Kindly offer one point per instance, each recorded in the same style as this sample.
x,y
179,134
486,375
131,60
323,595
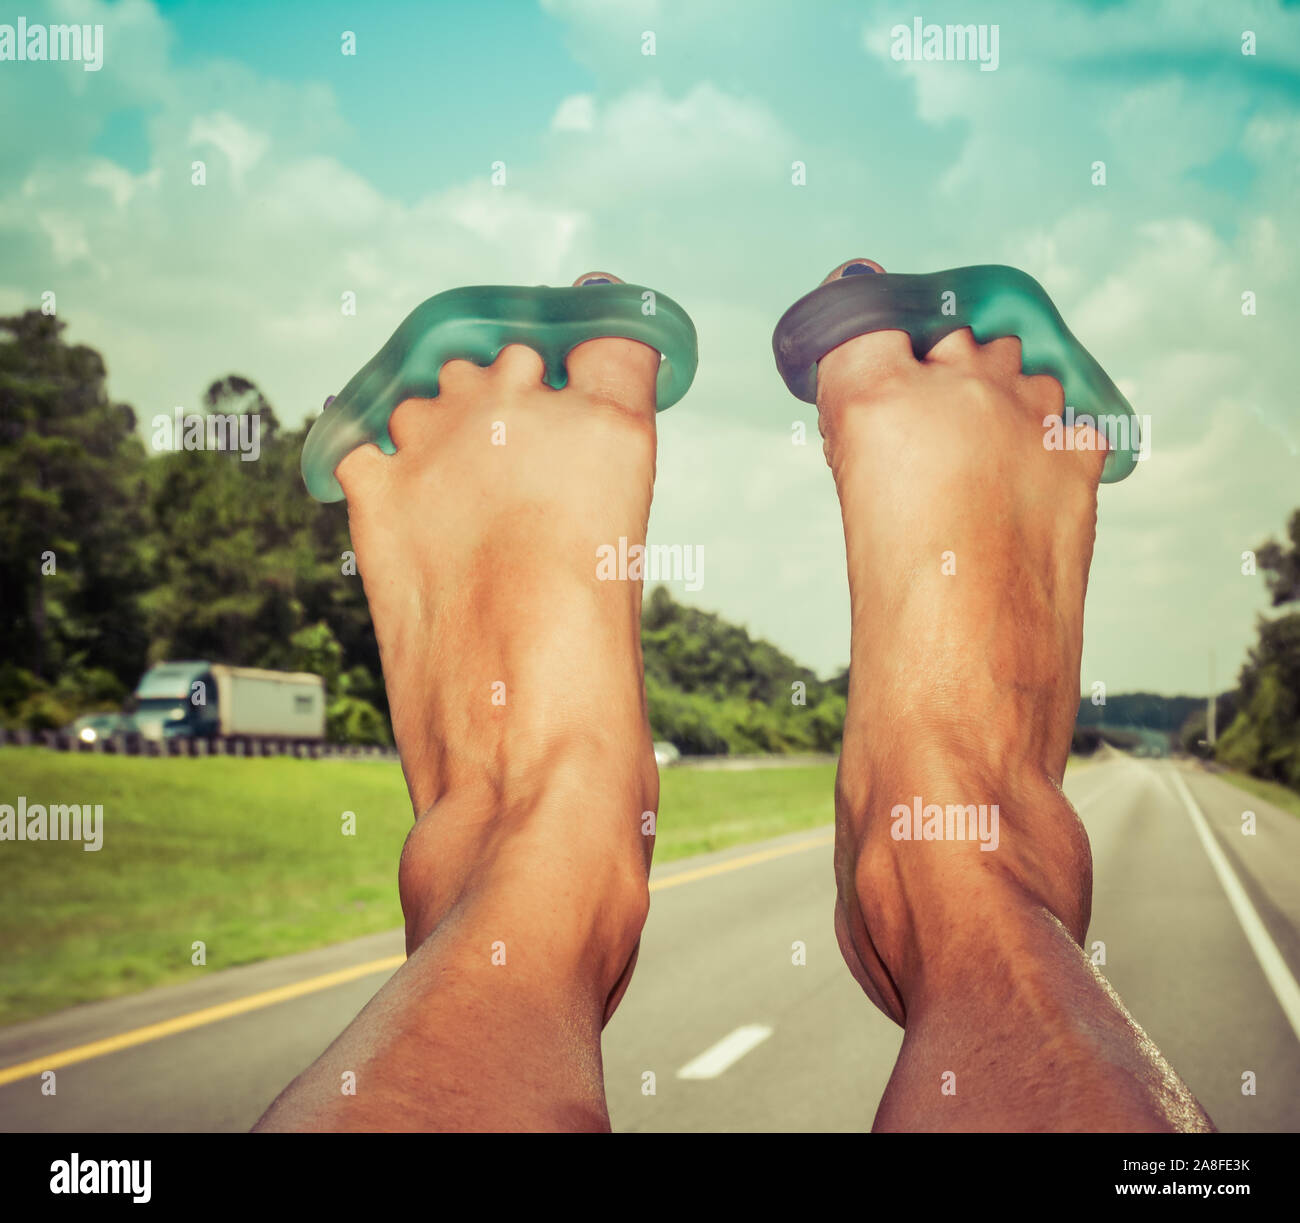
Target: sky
x,y
372,174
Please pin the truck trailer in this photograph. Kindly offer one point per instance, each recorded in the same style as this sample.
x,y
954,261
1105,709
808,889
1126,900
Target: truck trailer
x,y
195,699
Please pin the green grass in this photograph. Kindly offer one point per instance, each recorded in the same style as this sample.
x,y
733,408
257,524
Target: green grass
x,y
1278,795
248,857
706,809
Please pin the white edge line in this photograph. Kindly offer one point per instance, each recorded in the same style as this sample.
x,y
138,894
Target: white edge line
x,y
1270,958
726,1053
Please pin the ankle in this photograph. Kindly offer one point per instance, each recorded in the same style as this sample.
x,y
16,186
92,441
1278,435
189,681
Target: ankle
x,y
557,853
947,865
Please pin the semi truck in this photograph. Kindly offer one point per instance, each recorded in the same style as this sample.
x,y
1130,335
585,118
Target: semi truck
x,y
196,699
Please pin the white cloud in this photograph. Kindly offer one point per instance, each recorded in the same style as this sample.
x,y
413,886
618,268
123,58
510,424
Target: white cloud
x,y
686,187
576,113
241,146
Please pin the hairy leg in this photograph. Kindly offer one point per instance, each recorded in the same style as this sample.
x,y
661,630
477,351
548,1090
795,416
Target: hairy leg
x,y
515,682
969,545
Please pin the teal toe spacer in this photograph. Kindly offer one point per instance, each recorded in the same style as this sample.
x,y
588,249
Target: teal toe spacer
x,y
474,324
994,301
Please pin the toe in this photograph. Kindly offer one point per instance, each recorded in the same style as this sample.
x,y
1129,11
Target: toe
x,y
360,470
956,348
616,371
459,376
1044,393
863,363
853,267
411,420
866,360
520,365
1090,448
1003,356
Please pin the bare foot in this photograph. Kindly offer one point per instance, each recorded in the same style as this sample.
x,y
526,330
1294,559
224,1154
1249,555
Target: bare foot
x,y
513,674
968,545
515,682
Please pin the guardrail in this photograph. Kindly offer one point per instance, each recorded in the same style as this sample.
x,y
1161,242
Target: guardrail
x,y
221,745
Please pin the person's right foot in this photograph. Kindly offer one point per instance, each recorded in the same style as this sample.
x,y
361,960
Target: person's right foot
x,y
968,550
969,543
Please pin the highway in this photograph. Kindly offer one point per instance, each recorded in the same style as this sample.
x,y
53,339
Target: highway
x,y
1201,926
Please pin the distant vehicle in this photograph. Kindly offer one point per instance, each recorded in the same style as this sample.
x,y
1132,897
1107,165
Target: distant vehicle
x,y
93,726
203,699
666,753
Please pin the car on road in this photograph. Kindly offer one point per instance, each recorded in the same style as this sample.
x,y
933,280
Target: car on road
x,y
93,726
666,753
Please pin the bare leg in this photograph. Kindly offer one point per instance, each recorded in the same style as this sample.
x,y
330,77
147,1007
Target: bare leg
x,y
516,688
969,545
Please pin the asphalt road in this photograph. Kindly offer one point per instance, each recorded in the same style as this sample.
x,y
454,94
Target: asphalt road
x,y
737,1036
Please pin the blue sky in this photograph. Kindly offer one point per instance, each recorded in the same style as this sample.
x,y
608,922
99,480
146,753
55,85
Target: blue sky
x,y
371,174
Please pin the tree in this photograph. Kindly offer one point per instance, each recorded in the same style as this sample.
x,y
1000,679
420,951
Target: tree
x,y
713,690
349,716
243,557
112,559
72,507
1264,737
1281,564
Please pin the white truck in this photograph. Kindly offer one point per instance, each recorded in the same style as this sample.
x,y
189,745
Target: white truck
x,y
203,699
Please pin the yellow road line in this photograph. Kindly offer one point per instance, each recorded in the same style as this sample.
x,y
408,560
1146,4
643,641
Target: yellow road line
x,y
196,1019
734,864
312,985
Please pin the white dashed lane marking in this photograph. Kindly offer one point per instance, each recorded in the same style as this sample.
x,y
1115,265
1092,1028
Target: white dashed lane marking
x,y
726,1053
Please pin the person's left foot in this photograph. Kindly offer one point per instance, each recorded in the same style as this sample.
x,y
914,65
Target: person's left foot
x,y
513,673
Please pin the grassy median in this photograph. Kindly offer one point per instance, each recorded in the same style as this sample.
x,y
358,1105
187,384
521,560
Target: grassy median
x,y
248,857
1272,791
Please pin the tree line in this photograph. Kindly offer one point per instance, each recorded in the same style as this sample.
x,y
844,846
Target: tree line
x,y
114,558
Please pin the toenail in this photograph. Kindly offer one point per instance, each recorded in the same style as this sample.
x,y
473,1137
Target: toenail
x,y
329,399
856,269
597,280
